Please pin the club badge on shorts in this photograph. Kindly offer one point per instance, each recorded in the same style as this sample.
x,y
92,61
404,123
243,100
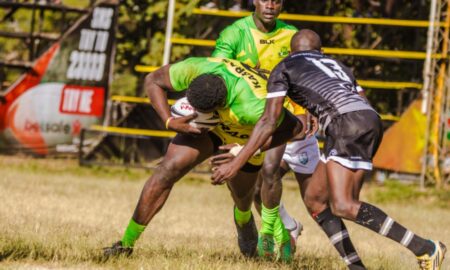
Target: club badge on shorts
x,y
303,158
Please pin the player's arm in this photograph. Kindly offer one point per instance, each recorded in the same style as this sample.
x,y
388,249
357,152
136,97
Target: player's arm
x,y
226,43
156,86
264,129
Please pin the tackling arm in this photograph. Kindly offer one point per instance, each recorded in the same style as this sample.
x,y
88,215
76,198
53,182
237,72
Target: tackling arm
x,y
263,130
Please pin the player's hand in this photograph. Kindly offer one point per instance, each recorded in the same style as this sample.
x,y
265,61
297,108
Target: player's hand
x,y
228,152
312,125
181,125
223,173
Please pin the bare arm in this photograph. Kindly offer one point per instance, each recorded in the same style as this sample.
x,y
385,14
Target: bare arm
x,y
156,86
263,130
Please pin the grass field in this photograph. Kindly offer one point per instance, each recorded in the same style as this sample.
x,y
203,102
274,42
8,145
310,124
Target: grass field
x,y
56,215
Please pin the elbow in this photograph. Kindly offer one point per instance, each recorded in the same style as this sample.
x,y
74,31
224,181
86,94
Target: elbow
x,y
148,79
268,123
148,82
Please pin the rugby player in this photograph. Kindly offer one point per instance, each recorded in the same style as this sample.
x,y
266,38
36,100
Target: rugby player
x,y
353,130
237,93
261,40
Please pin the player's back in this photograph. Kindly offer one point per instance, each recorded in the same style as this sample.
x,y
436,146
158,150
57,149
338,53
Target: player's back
x,y
322,85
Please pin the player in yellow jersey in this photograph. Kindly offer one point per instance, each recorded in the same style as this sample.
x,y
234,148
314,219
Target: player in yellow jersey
x,y
261,40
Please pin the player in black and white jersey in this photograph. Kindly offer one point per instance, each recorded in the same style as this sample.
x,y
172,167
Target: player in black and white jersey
x,y
327,89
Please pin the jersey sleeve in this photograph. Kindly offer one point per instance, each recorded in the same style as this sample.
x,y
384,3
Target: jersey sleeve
x,y
358,87
226,44
184,72
278,84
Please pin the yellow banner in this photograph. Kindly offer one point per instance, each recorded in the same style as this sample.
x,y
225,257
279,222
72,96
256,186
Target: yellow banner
x,y
402,147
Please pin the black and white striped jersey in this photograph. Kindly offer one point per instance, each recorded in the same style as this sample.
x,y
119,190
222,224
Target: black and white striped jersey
x,y
321,84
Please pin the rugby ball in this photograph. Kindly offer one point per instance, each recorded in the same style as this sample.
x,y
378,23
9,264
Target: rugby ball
x,y
182,107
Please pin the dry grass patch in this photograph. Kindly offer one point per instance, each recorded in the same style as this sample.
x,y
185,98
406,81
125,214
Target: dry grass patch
x,y
56,215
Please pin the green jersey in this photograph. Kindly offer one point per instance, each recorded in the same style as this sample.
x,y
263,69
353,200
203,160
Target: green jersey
x,y
244,42
247,90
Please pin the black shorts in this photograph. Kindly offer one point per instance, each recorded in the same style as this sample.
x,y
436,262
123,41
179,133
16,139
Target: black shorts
x,y
248,167
352,139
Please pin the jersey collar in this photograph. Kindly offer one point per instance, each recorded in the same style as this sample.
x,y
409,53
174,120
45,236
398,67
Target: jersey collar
x,y
308,52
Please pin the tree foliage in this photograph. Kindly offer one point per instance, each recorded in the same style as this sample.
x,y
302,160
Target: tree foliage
x,y
142,32
142,26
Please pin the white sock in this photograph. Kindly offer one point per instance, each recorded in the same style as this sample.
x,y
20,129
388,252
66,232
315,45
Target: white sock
x,y
288,221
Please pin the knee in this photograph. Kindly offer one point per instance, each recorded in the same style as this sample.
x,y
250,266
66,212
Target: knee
x,y
164,176
344,209
257,196
314,203
269,173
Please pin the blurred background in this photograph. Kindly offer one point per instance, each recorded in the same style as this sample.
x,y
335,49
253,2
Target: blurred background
x,y
397,49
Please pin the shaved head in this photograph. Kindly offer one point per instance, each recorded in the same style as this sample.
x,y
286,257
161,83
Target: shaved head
x,y
305,40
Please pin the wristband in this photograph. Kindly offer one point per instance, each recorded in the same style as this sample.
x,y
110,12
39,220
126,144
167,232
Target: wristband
x,y
167,122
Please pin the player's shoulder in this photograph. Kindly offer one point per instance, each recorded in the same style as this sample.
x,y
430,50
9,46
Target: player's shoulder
x,y
241,24
193,59
286,26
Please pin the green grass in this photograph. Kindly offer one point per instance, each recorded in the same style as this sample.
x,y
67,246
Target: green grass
x,y
401,193
57,215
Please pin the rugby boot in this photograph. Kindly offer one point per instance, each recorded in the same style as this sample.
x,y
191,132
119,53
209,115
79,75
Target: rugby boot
x,y
284,252
117,250
247,238
294,233
266,246
434,261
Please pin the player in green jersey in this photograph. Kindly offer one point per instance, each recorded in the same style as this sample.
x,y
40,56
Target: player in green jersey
x,y
238,94
261,40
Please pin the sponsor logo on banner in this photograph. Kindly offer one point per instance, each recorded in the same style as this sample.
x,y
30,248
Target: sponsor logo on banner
x,y
82,100
66,88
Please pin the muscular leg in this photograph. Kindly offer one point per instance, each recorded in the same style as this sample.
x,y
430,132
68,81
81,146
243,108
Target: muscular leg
x,y
257,201
315,194
343,182
241,188
183,154
271,185
273,227
344,185
314,189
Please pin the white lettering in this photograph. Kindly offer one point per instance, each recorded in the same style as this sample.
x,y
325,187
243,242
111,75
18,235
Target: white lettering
x,y
71,98
86,66
102,18
102,41
86,101
87,40
331,68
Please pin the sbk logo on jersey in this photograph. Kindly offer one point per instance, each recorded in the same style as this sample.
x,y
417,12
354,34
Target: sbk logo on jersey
x,y
267,42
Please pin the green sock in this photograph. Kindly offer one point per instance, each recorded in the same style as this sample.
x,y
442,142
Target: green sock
x,y
242,217
280,234
268,217
132,233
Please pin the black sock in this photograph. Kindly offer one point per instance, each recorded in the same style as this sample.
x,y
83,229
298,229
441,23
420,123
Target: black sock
x,y
375,219
338,235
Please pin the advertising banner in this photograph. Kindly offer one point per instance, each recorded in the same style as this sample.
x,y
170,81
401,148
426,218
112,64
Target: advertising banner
x,y
65,90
